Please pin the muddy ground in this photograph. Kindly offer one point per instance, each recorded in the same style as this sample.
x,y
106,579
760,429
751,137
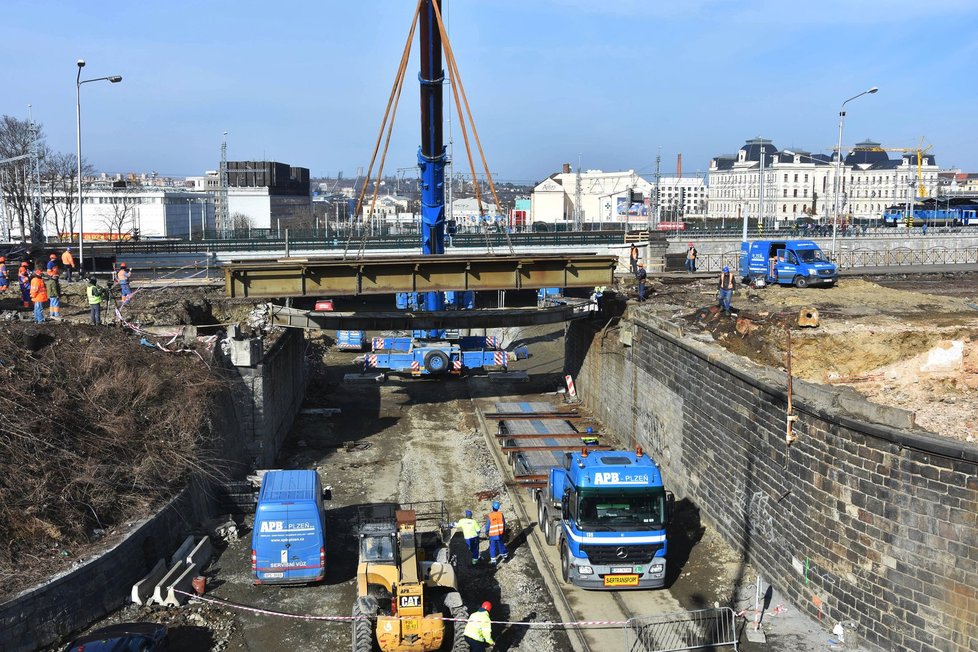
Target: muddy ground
x,y
908,341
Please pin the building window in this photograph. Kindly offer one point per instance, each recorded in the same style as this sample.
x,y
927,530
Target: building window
x,y
785,192
796,178
795,192
805,192
806,178
784,208
786,178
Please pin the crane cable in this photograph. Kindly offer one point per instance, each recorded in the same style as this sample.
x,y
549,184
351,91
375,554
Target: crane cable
x,y
392,101
456,80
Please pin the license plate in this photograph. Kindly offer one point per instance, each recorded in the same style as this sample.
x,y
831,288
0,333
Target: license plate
x,y
621,569
621,580
273,575
412,626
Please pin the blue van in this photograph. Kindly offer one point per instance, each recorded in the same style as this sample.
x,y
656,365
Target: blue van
x,y
288,541
787,262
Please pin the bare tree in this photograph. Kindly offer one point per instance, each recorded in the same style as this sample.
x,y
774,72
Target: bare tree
x,y
59,185
121,220
240,222
16,139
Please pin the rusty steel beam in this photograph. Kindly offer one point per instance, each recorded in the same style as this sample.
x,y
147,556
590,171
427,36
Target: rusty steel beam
x,y
295,277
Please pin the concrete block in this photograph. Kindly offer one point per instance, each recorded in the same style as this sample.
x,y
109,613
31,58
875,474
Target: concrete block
x,y
182,583
143,589
201,555
160,590
182,551
246,353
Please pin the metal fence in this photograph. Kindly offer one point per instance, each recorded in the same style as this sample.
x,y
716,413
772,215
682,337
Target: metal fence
x,y
857,258
691,630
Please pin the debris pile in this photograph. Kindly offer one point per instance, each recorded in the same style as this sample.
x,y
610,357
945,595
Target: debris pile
x,y
97,430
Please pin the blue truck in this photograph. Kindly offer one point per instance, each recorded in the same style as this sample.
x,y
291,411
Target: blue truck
x,y
288,540
607,511
786,262
420,357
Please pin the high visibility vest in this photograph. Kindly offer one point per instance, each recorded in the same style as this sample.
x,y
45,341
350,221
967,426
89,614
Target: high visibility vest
x,y
123,276
479,627
39,292
3,272
497,524
67,259
470,529
94,295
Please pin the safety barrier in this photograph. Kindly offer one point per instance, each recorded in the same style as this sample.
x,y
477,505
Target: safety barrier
x,y
691,630
857,258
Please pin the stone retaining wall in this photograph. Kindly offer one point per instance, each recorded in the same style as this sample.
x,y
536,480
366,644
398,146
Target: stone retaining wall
x,y
40,616
866,516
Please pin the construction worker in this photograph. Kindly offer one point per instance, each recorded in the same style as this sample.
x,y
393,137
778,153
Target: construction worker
x,y
470,532
122,278
726,289
24,280
633,258
478,629
691,258
52,263
640,277
68,262
496,529
53,287
39,295
4,283
95,294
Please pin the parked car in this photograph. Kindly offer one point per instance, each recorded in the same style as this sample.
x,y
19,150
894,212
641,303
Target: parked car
x,y
125,637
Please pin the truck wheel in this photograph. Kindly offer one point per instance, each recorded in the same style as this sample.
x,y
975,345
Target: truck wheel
x,y
549,529
801,282
436,362
365,618
564,563
541,513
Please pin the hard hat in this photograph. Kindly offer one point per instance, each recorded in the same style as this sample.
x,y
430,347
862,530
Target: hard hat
x,y
690,244
495,504
53,257
590,430
3,259
122,264
23,263
725,269
68,249
468,513
487,605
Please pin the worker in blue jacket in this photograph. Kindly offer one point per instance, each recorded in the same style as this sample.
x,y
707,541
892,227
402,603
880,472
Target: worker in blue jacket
x,y
496,529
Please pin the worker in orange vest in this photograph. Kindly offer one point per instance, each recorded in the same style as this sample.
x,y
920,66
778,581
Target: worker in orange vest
x,y
68,261
4,283
122,278
24,280
39,295
496,529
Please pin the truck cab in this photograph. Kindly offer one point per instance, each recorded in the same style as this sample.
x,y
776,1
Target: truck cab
x,y
607,511
787,262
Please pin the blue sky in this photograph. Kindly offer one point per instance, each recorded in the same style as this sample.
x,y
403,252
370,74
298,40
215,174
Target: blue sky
x,y
610,81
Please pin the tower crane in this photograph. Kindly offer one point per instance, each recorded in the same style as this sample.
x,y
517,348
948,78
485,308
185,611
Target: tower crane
x,y
920,150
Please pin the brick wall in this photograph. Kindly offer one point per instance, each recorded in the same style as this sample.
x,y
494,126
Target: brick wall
x,y
874,522
268,396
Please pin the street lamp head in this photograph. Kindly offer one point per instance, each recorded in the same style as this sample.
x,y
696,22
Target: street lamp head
x,y
115,79
872,90
81,63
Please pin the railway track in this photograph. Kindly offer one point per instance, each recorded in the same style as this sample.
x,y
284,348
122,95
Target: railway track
x,y
573,603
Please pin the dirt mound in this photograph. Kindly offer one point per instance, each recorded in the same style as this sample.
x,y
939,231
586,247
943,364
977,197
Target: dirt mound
x,y
96,430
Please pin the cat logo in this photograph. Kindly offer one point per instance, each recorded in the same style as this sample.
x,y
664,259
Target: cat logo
x,y
410,601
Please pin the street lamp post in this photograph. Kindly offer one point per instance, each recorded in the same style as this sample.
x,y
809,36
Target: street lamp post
x,y
838,170
115,79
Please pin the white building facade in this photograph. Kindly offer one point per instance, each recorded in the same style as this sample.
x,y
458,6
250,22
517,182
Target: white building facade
x,y
797,184
114,212
615,198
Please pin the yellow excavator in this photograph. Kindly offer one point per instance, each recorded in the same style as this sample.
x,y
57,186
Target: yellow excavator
x,y
402,597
